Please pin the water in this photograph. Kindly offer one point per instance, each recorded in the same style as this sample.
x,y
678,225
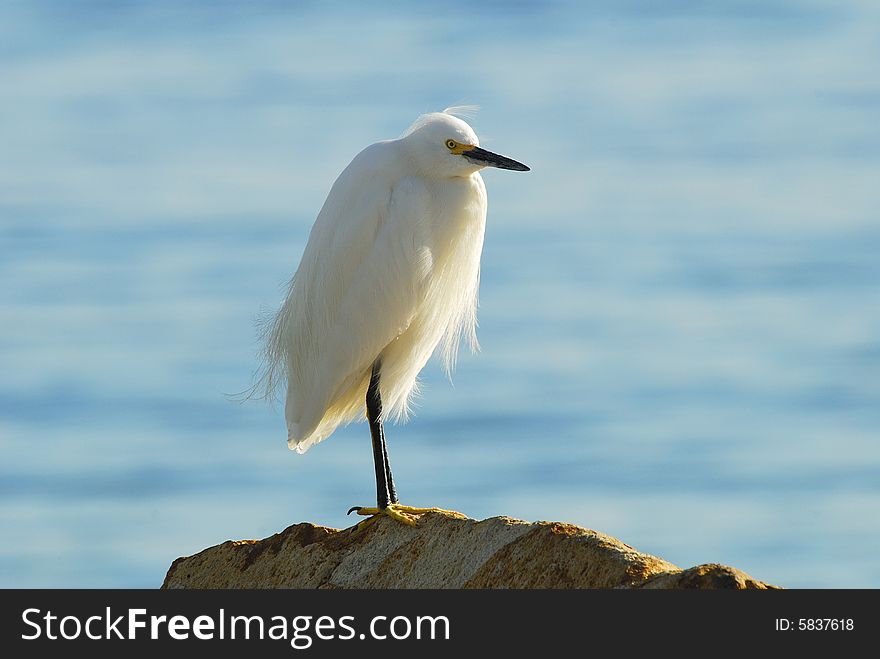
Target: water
x,y
679,310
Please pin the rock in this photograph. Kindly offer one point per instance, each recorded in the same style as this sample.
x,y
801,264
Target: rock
x,y
443,551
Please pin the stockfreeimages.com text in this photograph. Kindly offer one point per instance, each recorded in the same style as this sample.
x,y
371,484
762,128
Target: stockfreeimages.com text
x,y
300,631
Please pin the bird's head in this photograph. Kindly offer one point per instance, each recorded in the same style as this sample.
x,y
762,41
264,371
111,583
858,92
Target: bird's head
x,y
444,145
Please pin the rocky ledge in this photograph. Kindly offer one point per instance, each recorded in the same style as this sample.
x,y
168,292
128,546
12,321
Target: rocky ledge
x,y
443,551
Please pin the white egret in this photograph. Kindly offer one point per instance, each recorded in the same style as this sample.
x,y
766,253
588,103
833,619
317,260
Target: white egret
x,y
390,271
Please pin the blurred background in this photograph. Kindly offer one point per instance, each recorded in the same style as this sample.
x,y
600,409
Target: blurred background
x,y
679,307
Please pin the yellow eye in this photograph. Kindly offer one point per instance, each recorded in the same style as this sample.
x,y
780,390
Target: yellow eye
x,y
451,144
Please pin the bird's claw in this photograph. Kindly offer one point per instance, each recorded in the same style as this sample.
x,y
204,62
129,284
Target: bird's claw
x,y
405,514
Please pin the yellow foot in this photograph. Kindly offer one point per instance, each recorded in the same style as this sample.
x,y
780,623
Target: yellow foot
x,y
406,514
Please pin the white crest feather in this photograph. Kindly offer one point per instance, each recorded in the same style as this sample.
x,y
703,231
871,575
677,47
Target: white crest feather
x,y
463,111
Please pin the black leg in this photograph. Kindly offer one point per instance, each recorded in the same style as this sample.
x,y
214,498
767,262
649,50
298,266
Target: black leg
x,y
392,491
385,491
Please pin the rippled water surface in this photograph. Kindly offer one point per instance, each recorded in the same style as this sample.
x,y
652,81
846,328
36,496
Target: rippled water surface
x,y
679,309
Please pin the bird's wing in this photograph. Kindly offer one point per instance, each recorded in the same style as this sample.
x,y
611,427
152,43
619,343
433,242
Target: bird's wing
x,y
357,289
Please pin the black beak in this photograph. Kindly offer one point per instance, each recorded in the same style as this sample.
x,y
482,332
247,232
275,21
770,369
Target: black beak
x,y
480,156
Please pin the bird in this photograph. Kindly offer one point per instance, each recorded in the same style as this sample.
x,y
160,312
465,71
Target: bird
x,y
389,275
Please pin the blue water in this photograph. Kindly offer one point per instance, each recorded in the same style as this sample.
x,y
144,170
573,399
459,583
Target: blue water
x,y
679,313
